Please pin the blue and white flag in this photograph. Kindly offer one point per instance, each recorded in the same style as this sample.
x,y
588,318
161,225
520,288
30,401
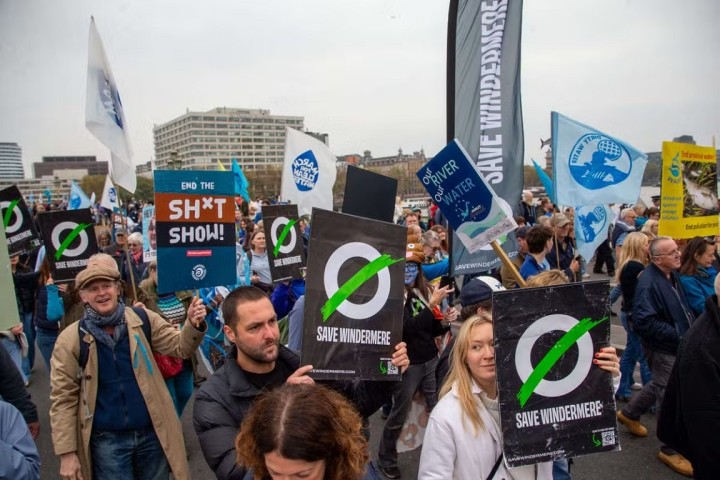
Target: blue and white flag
x,y
591,228
78,199
308,173
241,183
592,168
109,198
104,114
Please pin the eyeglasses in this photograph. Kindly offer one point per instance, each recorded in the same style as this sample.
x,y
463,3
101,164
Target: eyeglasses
x,y
675,253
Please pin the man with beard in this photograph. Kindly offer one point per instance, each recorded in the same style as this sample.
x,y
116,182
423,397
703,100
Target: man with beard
x,y
257,362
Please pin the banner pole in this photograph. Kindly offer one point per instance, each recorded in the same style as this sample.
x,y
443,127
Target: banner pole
x,y
125,246
506,260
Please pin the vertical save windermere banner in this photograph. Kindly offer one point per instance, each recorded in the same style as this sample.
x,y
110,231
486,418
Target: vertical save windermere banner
x,y
195,229
469,204
689,191
69,238
353,297
17,220
284,241
554,402
484,107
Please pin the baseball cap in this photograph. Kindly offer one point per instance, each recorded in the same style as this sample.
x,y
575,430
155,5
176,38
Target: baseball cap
x,y
559,220
478,290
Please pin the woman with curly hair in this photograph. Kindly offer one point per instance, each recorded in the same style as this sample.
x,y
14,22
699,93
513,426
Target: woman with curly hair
x,y
303,431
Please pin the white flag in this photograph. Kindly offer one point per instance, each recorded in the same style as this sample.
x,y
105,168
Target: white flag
x,y
104,115
308,173
109,196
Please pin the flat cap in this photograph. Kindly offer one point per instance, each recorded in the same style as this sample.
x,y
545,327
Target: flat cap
x,y
97,272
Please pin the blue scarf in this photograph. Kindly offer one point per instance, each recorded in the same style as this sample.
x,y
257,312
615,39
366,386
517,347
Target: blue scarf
x,y
95,324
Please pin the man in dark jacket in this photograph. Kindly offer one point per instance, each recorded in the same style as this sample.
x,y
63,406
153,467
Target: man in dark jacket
x,y
661,316
258,362
691,413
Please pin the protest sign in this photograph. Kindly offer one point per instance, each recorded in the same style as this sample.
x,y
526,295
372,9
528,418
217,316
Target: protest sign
x,y
285,250
149,233
353,297
467,201
554,402
369,194
10,316
195,228
689,191
20,229
70,241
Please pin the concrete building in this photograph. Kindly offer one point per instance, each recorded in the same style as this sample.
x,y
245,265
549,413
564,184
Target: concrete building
x,y
34,189
79,166
11,166
198,140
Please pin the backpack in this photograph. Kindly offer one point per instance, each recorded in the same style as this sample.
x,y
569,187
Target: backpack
x,y
85,347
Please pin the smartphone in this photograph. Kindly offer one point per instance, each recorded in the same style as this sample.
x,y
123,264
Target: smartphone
x,y
446,280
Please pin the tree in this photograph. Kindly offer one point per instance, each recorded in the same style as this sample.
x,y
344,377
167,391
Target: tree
x,y
145,190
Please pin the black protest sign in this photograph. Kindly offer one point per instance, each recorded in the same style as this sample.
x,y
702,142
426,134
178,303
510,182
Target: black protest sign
x,y
353,297
18,222
70,241
284,241
554,402
369,194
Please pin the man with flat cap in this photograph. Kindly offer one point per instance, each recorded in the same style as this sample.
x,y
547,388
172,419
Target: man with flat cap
x,y
110,413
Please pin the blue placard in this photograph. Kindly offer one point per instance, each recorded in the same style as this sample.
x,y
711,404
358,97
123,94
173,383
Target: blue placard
x,y
466,200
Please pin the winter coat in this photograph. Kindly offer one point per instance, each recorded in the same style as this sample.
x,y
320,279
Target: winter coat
x,y
73,396
698,288
660,313
690,413
50,308
451,449
225,398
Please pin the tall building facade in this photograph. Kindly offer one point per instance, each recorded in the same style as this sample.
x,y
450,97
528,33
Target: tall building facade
x,y
11,166
82,165
198,140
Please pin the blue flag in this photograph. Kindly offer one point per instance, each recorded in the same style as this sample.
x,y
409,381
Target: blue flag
x,y
592,167
241,183
546,181
78,199
48,194
591,228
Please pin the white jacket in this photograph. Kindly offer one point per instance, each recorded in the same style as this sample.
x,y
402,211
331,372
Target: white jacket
x,y
451,450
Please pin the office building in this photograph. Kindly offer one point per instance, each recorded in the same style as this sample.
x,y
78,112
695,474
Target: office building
x,y
198,140
11,166
74,167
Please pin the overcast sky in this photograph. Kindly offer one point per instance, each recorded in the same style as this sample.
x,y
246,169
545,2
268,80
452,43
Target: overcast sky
x,y
371,73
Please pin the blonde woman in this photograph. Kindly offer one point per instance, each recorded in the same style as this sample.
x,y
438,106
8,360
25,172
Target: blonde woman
x,y
631,263
650,228
463,439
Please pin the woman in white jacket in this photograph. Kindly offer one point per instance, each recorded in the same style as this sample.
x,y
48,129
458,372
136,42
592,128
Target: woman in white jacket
x,y
463,439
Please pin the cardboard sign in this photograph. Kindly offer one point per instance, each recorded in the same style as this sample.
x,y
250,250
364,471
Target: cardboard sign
x,y
473,210
286,255
689,191
20,229
353,297
149,233
10,316
70,241
195,228
369,194
554,402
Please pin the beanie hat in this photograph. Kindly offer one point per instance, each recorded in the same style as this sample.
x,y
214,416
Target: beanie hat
x,y
414,253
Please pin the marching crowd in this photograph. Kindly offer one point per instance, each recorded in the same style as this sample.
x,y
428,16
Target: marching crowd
x,y
120,353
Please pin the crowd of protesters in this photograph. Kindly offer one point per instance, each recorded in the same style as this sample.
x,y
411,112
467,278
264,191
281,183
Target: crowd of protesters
x,y
119,353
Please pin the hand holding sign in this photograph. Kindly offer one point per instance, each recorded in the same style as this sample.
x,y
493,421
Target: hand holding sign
x,y
607,359
400,357
196,313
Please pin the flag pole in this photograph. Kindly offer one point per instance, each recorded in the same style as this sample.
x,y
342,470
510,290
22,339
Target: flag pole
x,y
125,246
506,260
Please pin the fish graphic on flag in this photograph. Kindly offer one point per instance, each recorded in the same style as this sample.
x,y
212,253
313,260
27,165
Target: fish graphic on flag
x,y
591,167
591,228
77,199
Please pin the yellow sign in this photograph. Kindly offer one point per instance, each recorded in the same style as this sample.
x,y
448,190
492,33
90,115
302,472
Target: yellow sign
x,y
689,202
